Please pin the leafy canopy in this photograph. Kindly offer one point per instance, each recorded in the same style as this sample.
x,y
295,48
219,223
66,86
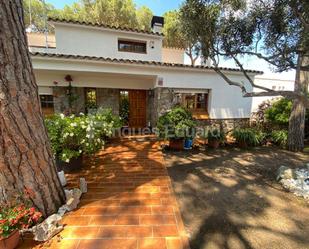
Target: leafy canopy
x,y
110,12
274,30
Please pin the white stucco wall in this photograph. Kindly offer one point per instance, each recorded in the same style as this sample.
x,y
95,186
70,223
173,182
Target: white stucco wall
x,y
95,41
173,55
226,101
270,81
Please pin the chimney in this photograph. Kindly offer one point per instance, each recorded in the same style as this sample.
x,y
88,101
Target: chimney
x,y
157,24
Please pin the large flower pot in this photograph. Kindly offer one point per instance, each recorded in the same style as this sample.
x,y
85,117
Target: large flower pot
x,y
176,144
214,144
188,144
10,242
75,164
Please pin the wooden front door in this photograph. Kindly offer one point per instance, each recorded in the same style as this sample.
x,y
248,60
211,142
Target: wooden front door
x,y
137,109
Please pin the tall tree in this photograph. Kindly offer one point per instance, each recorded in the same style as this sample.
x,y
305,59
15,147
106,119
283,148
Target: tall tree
x,y
276,31
26,161
110,12
177,34
36,13
144,16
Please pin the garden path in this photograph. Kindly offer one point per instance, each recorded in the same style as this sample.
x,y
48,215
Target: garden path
x,y
129,204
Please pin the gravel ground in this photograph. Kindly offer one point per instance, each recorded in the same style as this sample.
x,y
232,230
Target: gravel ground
x,y
229,198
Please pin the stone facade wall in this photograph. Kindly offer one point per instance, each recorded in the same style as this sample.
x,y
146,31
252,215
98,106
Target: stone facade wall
x,y
61,103
108,98
160,101
226,125
165,99
149,108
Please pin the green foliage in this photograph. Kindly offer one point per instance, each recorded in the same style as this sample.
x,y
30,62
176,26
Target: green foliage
x,y
276,31
38,13
249,136
279,112
108,12
280,137
144,16
177,34
73,136
177,123
172,30
215,135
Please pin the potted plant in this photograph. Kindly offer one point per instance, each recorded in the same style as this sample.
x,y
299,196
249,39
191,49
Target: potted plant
x,y
72,137
215,137
246,137
14,218
176,125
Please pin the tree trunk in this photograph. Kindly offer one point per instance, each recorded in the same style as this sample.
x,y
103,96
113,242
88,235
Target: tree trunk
x,y
298,114
26,161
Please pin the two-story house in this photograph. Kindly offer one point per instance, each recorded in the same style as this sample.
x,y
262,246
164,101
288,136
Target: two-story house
x,y
108,64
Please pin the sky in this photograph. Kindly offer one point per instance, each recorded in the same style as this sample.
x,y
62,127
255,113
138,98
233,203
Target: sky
x,y
159,7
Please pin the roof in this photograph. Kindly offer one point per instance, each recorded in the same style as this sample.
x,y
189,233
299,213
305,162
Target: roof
x,y
135,62
105,26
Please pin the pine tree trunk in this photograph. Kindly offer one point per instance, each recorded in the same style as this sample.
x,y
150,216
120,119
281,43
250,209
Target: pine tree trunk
x,y
26,161
298,114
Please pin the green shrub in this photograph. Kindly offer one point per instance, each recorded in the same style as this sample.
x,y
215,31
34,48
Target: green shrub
x,y
177,123
249,136
279,112
280,137
72,136
216,135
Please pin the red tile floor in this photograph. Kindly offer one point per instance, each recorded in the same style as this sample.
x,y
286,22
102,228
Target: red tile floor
x,y
129,204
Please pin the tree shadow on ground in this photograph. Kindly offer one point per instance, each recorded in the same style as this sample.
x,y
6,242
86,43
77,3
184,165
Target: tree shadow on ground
x,y
229,199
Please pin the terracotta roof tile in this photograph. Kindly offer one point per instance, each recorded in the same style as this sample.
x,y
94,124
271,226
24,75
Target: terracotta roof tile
x,y
128,61
59,20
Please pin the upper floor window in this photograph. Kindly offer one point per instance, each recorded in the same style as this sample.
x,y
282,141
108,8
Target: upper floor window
x,y
132,46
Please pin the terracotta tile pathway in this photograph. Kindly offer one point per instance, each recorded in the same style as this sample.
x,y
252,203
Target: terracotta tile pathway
x,y
129,204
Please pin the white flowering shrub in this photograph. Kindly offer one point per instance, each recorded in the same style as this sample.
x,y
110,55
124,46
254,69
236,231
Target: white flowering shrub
x,y
72,136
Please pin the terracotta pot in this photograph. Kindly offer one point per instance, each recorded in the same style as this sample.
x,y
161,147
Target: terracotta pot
x,y
10,242
214,143
176,144
75,164
243,144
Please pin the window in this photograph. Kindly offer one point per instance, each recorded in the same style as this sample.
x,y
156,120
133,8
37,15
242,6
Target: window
x,y
198,101
90,98
47,104
132,46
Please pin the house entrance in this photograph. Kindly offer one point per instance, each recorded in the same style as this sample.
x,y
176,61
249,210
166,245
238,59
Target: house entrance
x,y
133,108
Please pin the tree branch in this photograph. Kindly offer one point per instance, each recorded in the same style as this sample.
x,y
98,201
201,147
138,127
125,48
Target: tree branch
x,y
249,78
287,94
299,15
266,93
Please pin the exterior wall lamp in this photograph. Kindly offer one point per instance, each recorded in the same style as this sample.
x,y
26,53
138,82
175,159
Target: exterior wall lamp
x,y
71,97
150,92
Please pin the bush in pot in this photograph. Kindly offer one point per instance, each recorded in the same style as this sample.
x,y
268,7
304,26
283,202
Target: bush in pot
x,y
248,137
176,125
215,137
73,136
